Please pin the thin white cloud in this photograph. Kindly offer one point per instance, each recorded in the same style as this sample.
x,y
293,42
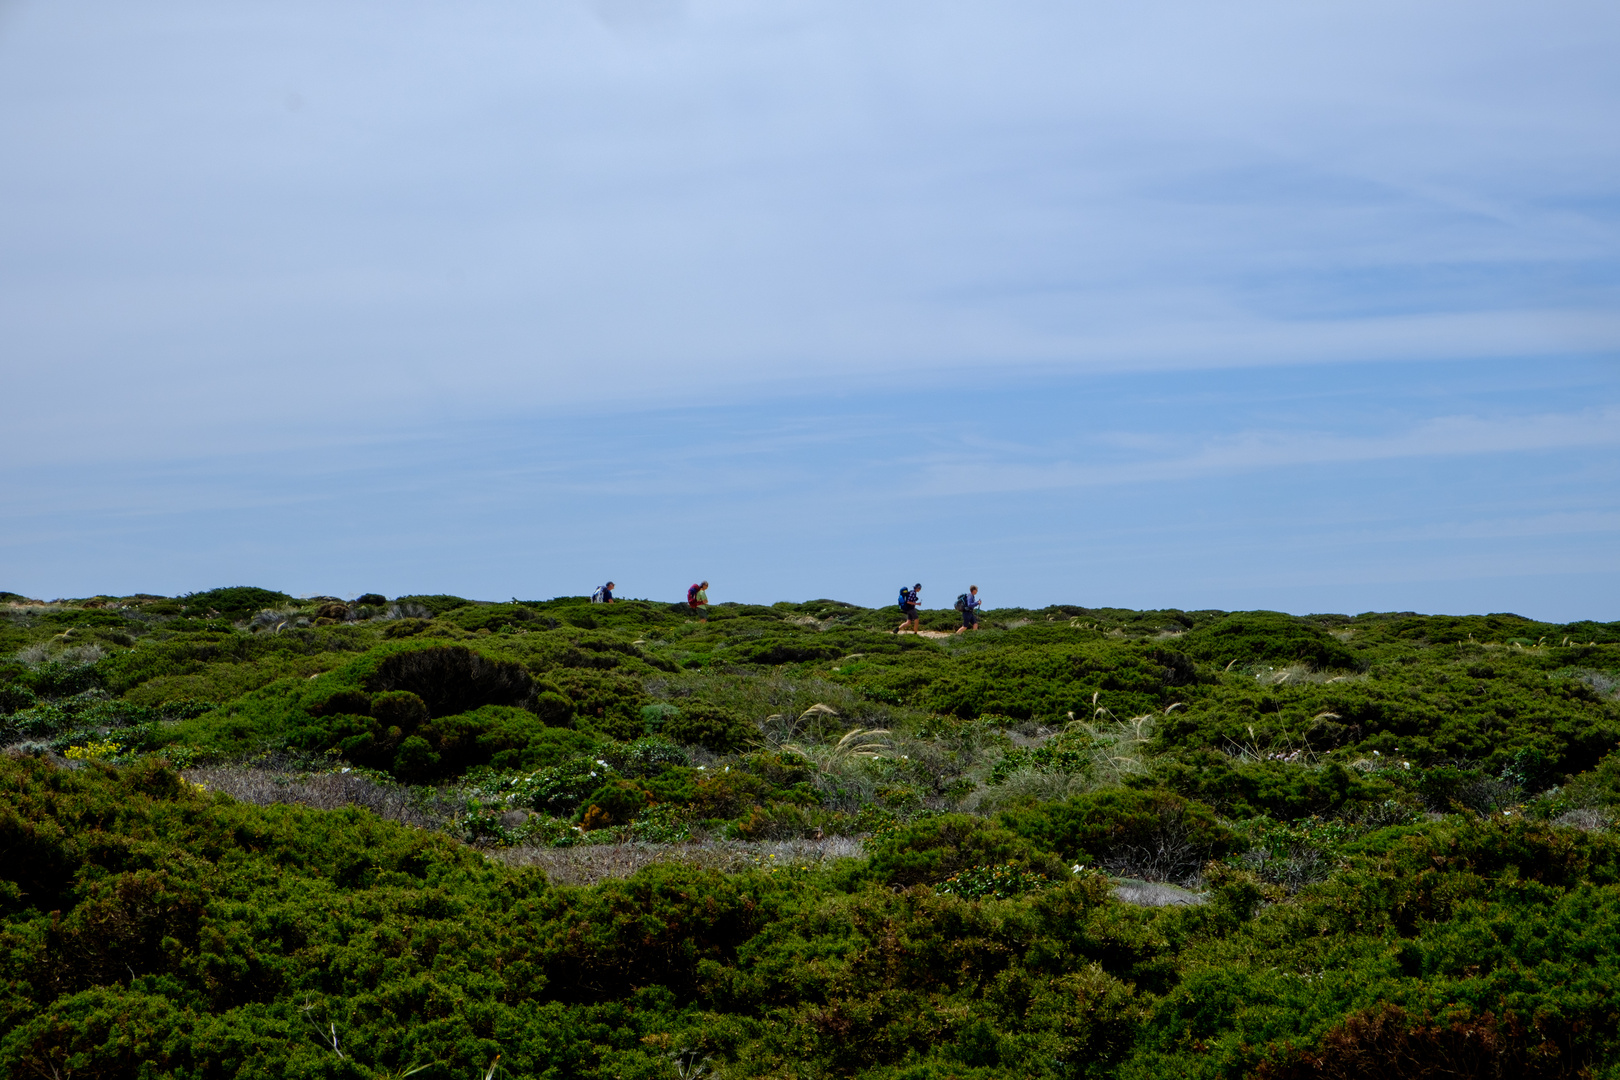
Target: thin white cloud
x,y
1258,451
486,208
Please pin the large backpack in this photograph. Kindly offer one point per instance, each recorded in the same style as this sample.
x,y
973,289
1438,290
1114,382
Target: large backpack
x,y
962,602
902,604
691,594
596,597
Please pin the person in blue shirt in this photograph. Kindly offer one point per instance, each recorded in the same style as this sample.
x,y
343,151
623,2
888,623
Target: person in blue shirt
x,y
970,610
909,599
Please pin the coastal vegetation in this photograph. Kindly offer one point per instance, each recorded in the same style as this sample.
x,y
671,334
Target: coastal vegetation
x,y
248,835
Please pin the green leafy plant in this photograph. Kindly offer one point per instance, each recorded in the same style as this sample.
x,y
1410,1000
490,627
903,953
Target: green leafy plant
x,y
999,882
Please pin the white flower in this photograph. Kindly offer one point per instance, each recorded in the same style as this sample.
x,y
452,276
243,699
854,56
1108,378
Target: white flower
x,y
1077,868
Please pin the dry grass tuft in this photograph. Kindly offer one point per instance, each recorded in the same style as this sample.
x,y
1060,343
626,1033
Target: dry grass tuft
x,y
1022,785
324,791
60,651
589,864
1300,674
858,744
1587,819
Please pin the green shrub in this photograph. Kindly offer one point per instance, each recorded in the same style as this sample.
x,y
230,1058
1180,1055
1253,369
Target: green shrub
x,y
56,679
1052,682
1153,834
235,603
490,616
653,716
710,727
558,789
15,696
998,882
87,617
784,770
399,708
452,679
553,708
647,757
604,702
1068,753
344,702
1266,637
616,802
725,793
784,651
404,628
416,760
400,738
1280,789
225,680
435,605
931,850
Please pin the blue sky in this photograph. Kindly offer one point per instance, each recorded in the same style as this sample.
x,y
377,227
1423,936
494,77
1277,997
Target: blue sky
x,y
1307,307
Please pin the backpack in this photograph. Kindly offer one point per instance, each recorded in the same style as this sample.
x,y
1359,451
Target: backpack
x,y
691,593
962,602
596,597
902,598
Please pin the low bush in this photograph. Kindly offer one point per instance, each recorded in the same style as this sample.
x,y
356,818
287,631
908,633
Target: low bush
x,y
604,702
931,850
998,882
615,802
1283,790
1266,637
709,727
1148,834
435,605
235,603
452,679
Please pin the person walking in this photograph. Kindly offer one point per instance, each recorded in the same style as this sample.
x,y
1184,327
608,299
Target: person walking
x,y
697,598
969,607
603,595
909,599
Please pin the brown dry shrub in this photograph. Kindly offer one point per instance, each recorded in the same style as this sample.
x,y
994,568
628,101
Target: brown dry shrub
x,y
1385,1044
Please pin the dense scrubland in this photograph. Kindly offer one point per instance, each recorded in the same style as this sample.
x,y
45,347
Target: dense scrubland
x,y
247,835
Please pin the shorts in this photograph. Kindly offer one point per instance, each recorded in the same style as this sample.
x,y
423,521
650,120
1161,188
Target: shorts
x,y
908,612
969,616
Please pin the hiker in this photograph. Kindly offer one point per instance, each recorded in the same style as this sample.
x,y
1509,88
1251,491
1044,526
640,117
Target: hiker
x,y
697,598
603,595
968,604
908,607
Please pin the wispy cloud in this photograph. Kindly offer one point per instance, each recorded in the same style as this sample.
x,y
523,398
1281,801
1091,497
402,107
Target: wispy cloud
x,y
1255,451
490,209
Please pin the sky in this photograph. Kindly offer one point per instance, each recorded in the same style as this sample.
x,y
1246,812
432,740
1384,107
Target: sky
x,y
1308,307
